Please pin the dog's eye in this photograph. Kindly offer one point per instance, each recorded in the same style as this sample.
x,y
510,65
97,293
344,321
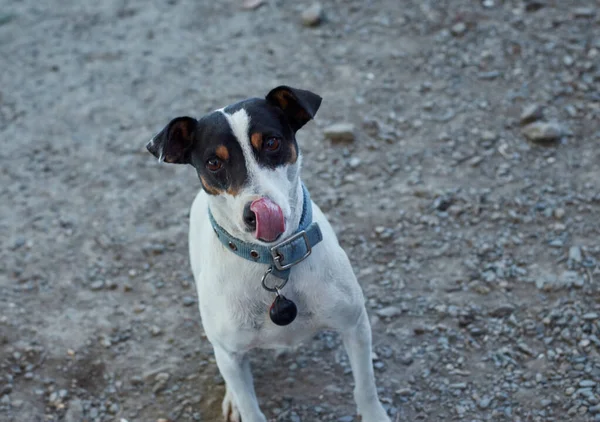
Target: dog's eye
x,y
214,164
272,144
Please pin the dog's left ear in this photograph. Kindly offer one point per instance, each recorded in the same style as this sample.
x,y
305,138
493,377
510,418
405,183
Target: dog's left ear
x,y
298,105
174,143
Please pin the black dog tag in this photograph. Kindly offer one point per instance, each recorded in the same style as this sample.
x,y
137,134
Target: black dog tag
x,y
283,311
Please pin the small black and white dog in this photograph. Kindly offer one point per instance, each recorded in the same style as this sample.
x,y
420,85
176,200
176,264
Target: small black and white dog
x,y
268,267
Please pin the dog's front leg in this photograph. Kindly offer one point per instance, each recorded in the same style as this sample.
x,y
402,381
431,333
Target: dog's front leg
x,y
240,403
357,341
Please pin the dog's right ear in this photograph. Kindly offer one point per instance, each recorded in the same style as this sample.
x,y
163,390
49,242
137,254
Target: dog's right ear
x,y
174,143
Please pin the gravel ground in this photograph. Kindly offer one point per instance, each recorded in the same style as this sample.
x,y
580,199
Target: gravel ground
x,y
465,188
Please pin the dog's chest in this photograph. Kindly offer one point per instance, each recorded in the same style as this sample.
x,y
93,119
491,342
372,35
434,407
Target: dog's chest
x,y
244,322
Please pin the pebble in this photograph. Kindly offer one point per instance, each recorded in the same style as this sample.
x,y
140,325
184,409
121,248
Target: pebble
x,y
583,12
531,113
313,15
340,132
502,311
97,285
458,29
575,255
484,403
155,330
590,316
559,213
404,392
587,383
354,162
543,132
389,312
75,411
188,300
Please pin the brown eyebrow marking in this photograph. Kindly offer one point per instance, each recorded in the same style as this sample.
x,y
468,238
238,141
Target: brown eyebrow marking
x,y
208,188
293,154
256,140
222,152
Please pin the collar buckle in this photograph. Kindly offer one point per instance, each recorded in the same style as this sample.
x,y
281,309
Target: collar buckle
x,y
277,255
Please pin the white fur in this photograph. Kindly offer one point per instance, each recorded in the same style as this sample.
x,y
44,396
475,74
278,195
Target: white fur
x,y
234,306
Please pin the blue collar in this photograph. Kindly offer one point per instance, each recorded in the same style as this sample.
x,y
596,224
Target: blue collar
x,y
282,256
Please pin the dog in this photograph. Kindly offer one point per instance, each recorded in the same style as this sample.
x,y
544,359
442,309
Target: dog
x,y
268,267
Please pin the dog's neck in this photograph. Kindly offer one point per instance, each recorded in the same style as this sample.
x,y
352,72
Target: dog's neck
x,y
222,215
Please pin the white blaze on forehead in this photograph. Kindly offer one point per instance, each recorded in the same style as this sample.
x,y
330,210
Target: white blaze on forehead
x,y
240,126
273,183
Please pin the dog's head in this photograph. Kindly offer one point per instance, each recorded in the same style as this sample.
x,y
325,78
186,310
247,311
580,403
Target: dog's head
x,y
247,159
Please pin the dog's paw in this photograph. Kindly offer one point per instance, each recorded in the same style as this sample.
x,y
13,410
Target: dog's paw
x,y
230,410
375,413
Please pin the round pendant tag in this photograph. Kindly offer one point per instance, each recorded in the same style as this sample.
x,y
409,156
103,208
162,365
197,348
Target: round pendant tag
x,y
283,311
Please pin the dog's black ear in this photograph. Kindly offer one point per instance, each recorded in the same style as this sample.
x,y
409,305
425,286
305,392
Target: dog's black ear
x,y
298,105
175,141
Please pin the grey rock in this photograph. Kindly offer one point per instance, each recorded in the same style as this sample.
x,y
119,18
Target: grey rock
x,y
590,316
531,113
575,255
97,285
188,300
502,311
340,133
484,403
583,12
458,29
587,383
543,132
389,312
534,5
75,411
354,162
313,15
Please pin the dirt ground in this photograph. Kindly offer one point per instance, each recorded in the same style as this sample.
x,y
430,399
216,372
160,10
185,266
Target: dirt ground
x,y
478,250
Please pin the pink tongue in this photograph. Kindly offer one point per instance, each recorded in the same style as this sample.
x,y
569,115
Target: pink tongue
x,y
269,219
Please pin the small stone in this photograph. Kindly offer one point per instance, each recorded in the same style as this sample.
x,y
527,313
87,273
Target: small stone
x,y
340,133
543,132
136,380
534,5
346,419
389,312
155,330
488,4
559,213
252,4
97,285
569,391
313,15
531,113
458,29
587,383
162,376
568,61
458,386
583,12
590,316
188,300
404,392
502,311
354,162
484,403
113,409
575,255
75,412
406,359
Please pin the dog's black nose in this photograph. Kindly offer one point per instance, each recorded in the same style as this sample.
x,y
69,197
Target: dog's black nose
x,y
249,217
